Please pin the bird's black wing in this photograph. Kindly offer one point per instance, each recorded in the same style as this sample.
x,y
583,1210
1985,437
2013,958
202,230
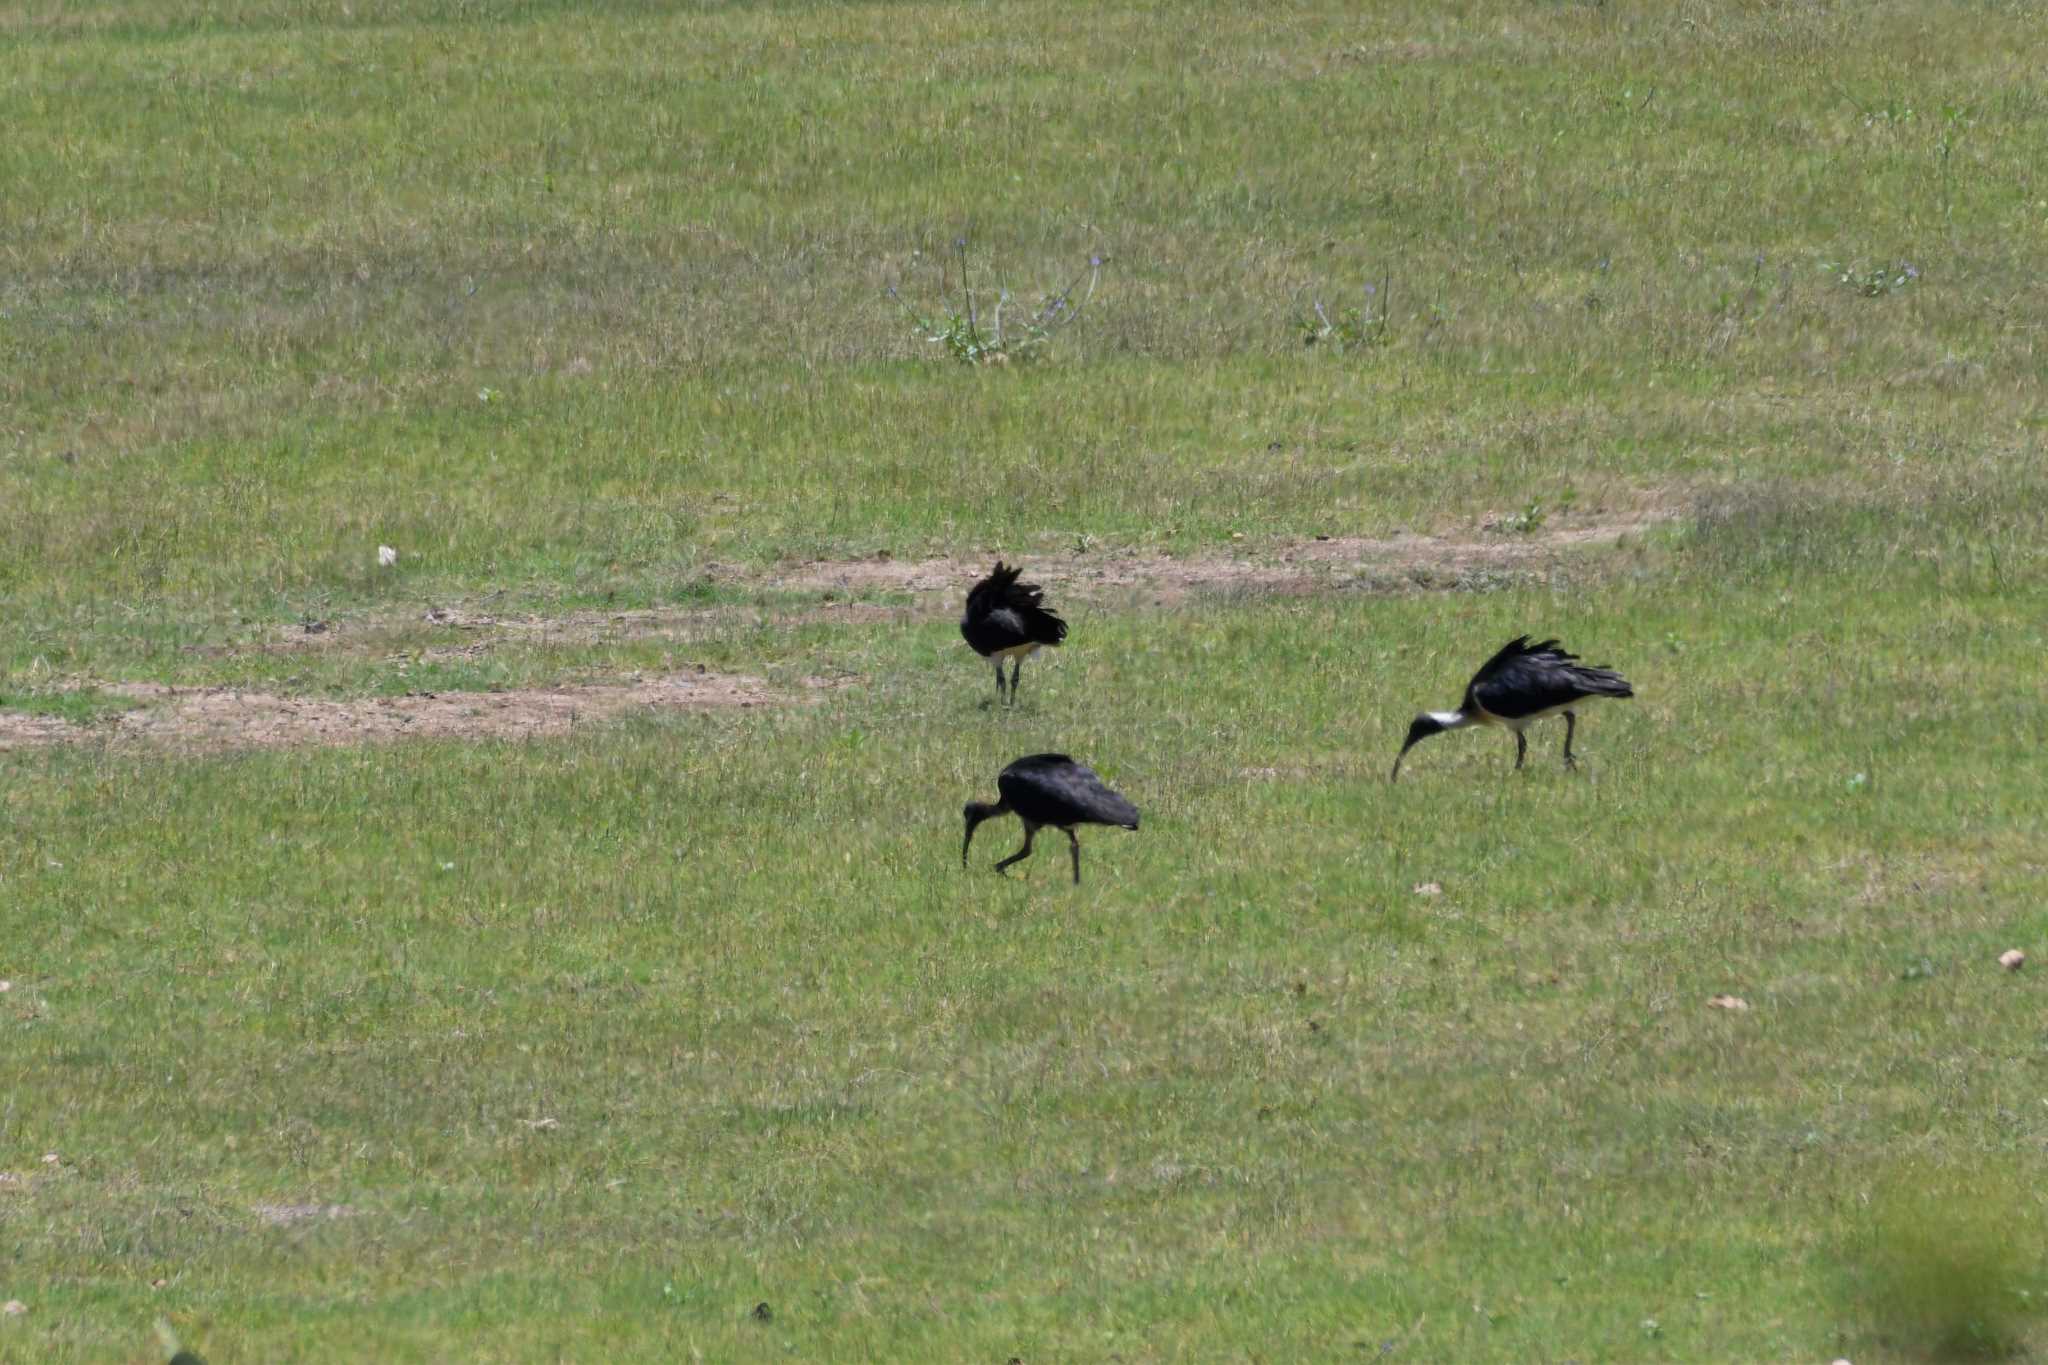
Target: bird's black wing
x,y
1052,789
1015,612
1001,628
1526,680
1505,655
1042,624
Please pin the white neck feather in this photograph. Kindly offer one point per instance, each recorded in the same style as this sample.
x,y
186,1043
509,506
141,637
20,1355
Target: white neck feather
x,y
1451,720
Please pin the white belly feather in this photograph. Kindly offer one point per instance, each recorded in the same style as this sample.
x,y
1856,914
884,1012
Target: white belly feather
x,y
1521,723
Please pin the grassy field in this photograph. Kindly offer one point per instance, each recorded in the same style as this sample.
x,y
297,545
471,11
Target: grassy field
x,y
1707,337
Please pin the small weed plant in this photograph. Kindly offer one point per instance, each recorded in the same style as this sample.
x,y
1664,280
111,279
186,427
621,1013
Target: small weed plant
x,y
1363,328
1873,282
1533,515
977,337
1526,522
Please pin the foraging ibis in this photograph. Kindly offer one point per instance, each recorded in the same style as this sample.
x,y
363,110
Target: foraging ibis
x,y
1050,789
1520,685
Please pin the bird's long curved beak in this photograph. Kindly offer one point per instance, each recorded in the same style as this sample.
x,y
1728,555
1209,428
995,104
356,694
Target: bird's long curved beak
x,y
969,843
1396,774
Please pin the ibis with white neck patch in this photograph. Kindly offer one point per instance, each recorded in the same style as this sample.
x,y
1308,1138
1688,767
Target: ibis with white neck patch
x,y
1517,687
1050,789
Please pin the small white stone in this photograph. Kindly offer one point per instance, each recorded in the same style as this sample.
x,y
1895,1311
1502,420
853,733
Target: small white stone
x,y
13,1308
1728,1002
51,1159
2012,959
1429,888
386,556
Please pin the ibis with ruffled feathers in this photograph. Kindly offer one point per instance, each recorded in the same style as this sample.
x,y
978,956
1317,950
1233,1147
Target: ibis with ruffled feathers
x,y
1006,619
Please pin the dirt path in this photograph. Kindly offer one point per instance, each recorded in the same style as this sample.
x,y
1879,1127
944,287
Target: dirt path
x,y
1299,565
1152,579
218,718
210,719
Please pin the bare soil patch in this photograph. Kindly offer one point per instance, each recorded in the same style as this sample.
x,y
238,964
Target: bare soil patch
x,y
489,630
219,718
1296,567
19,729
1158,580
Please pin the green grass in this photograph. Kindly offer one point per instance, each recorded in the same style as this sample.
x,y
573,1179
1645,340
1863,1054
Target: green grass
x,y
79,705
1244,1091
593,1045
1949,1264
265,263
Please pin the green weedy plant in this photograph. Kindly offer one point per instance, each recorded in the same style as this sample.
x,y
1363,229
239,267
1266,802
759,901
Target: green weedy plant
x,y
1876,281
970,339
1363,328
1534,514
1526,522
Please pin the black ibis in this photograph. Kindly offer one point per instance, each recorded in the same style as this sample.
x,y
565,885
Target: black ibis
x,y
1050,789
1004,620
1517,687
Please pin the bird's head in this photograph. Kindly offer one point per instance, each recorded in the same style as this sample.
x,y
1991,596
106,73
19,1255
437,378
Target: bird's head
x,y
1427,724
975,812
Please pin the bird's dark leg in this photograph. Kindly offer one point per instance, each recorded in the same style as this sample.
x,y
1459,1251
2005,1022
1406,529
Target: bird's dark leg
x,y
1074,840
1521,750
999,677
1016,672
1030,832
1571,725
